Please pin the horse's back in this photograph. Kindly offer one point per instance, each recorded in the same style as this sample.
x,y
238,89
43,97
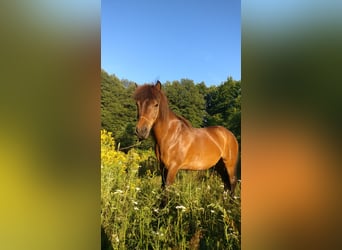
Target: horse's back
x,y
207,146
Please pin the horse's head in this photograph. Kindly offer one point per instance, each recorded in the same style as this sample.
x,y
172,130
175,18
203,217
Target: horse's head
x,y
148,98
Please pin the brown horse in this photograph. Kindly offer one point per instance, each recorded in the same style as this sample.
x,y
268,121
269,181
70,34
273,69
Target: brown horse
x,y
178,144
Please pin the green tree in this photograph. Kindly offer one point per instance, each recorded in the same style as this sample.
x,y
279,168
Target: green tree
x,y
185,99
223,105
111,90
118,111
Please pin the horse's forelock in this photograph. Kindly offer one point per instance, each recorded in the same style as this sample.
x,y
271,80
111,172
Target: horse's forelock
x,y
145,92
149,92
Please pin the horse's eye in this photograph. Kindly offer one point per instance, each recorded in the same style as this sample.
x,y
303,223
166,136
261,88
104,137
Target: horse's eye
x,y
156,105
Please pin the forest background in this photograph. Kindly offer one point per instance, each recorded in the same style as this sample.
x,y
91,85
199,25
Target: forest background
x,y
203,106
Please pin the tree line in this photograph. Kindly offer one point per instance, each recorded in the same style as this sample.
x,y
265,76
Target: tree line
x,y
202,105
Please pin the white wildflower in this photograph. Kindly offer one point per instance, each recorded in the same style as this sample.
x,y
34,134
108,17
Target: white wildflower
x,y
181,207
157,233
136,208
137,188
118,191
115,237
212,211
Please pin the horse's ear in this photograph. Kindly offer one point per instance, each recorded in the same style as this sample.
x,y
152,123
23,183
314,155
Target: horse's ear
x,y
158,85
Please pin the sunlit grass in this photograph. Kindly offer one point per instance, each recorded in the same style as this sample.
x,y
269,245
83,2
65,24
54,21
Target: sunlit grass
x,y
194,213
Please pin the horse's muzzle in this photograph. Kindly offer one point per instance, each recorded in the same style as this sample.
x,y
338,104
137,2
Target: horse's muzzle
x,y
142,132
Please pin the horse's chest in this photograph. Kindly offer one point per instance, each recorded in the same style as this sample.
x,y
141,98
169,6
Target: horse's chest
x,y
173,155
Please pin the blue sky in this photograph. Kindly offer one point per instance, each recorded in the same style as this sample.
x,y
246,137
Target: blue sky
x,y
166,40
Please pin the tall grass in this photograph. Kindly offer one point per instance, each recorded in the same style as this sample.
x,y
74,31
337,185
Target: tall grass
x,y
194,213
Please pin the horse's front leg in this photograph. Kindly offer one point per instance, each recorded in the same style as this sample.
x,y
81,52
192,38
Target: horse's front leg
x,y
164,173
163,170
171,176
168,178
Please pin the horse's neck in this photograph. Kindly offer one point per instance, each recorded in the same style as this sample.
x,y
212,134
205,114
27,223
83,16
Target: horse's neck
x,y
161,128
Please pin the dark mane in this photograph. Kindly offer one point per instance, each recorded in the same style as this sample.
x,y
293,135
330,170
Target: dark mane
x,y
185,121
